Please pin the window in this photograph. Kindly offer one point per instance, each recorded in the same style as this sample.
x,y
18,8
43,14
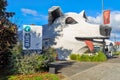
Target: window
x,y
70,20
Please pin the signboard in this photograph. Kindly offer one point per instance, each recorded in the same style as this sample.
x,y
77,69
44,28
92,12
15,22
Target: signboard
x,y
32,37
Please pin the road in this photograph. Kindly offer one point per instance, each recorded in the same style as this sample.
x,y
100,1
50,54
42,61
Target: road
x,y
109,70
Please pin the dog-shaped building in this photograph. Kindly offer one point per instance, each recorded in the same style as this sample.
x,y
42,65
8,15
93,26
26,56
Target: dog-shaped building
x,y
67,32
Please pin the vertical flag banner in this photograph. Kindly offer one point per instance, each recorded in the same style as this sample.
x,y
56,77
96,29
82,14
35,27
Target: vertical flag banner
x,y
106,16
90,45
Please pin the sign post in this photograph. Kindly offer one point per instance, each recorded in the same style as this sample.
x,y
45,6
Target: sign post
x,y
32,37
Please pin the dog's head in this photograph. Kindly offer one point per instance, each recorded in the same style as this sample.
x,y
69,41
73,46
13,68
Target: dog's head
x,y
76,25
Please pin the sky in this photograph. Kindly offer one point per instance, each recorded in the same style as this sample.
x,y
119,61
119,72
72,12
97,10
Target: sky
x,y
36,11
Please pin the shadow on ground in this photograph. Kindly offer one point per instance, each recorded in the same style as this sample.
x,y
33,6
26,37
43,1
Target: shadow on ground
x,y
58,65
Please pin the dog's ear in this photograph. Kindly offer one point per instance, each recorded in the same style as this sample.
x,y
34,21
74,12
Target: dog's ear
x,y
83,14
54,12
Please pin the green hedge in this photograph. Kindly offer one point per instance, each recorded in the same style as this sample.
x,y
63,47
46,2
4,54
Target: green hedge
x,y
73,56
99,57
84,58
116,53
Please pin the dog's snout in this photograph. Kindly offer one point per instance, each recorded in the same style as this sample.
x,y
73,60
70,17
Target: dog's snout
x,y
105,30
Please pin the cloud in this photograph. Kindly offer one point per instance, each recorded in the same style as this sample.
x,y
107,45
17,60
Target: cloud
x,y
41,17
33,16
115,37
44,17
96,20
34,13
114,22
29,11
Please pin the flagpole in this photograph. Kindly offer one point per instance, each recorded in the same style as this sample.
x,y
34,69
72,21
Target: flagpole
x,y
103,24
102,11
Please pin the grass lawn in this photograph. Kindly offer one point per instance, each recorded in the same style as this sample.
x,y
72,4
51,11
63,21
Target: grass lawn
x,y
37,76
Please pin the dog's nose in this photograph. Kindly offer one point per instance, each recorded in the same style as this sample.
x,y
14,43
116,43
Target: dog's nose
x,y
105,30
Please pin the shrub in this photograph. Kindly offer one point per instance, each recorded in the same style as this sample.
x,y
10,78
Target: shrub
x,y
78,57
17,49
31,62
85,58
116,53
28,64
25,64
50,53
14,57
94,58
100,57
73,56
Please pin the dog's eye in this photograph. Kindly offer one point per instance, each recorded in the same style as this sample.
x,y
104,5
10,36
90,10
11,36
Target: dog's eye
x,y
70,20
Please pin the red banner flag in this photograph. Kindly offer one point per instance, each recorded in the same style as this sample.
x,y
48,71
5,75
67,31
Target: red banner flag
x,y
106,16
90,45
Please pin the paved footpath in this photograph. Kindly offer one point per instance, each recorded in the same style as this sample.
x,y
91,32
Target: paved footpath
x,y
109,70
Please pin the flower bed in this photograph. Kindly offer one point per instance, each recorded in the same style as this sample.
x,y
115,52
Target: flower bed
x,y
36,76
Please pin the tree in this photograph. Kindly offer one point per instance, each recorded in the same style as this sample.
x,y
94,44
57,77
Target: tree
x,y
8,32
